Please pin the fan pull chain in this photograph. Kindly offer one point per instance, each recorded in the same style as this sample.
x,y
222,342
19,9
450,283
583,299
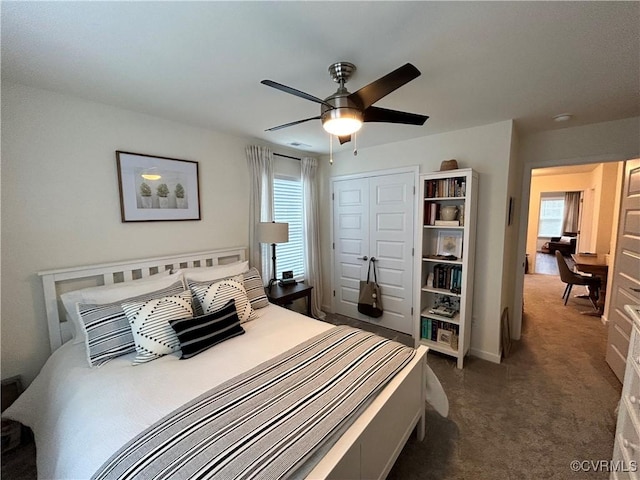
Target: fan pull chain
x,y
330,149
355,144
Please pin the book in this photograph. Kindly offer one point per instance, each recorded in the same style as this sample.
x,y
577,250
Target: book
x,y
447,223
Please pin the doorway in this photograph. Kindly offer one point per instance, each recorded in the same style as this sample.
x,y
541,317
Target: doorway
x,y
603,176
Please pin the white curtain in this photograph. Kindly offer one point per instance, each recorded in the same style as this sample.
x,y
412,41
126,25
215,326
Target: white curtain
x,y
311,219
571,212
260,163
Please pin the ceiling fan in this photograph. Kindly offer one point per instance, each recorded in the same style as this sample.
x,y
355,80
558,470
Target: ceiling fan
x,y
343,113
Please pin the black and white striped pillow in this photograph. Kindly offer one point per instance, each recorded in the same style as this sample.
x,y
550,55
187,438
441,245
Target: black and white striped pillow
x,y
149,321
212,296
201,333
255,289
107,326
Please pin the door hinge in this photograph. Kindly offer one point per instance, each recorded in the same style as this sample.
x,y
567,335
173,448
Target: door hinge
x,y
333,245
334,293
413,250
414,189
411,311
333,196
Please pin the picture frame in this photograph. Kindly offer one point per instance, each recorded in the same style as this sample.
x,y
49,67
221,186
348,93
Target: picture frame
x,y
450,243
154,189
444,336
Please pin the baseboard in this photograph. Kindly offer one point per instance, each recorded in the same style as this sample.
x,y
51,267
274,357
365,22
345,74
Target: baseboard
x,y
490,357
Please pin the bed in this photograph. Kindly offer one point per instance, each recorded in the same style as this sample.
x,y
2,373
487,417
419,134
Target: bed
x,y
82,415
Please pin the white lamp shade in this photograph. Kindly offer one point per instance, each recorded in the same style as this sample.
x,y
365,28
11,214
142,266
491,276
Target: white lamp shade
x,y
272,232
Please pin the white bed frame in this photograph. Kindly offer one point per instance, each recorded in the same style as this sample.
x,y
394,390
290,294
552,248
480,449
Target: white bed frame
x,y
367,450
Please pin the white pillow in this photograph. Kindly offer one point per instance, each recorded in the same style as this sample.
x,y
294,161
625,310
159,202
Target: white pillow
x,y
203,274
565,239
150,327
213,296
112,293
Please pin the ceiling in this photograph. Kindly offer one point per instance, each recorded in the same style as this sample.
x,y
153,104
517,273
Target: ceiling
x,y
201,63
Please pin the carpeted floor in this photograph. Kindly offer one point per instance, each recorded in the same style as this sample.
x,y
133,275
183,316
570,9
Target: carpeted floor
x,y
551,401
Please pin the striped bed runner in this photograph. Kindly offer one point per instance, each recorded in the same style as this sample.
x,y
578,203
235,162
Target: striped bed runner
x,y
267,422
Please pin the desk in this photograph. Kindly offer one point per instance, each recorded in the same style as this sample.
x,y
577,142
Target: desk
x,y
283,295
596,265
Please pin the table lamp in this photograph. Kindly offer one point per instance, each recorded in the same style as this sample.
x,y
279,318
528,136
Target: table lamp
x,y
272,232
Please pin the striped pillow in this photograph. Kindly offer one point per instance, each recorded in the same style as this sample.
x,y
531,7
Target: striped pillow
x,y
149,321
255,289
214,295
201,333
107,327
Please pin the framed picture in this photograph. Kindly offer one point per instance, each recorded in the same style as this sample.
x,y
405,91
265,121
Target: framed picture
x,y
444,336
154,189
450,243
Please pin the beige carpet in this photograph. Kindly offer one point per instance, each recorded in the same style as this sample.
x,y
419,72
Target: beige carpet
x,y
550,402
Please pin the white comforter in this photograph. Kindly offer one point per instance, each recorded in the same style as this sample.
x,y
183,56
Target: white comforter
x,y
80,415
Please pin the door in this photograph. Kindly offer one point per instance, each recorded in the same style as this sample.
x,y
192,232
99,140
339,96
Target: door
x,y
374,217
625,288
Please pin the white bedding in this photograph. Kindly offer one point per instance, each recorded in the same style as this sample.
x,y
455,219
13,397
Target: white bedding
x,y
80,415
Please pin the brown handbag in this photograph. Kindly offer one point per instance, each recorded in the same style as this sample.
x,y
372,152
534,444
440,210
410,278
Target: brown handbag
x,y
370,297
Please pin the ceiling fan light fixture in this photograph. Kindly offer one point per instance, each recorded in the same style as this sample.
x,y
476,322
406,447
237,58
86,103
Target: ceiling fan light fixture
x,y
342,121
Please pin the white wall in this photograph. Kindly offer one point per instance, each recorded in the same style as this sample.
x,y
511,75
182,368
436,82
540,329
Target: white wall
x,y
60,201
486,149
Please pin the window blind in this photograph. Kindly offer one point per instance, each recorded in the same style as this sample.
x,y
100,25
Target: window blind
x,y
287,207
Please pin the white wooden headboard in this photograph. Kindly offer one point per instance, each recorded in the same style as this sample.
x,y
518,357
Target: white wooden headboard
x,y
56,282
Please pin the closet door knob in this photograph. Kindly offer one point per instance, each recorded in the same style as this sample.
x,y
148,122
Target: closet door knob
x,y
633,399
365,258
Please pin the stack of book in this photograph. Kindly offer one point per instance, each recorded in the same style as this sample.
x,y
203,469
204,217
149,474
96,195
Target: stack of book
x,y
448,187
439,331
447,276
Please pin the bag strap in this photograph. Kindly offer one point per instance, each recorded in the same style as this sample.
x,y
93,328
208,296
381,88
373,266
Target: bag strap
x,y
375,276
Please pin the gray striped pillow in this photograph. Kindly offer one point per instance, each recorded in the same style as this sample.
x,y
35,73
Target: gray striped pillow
x,y
107,326
255,289
149,321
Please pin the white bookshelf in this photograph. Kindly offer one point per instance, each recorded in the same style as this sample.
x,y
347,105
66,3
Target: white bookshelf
x,y
442,279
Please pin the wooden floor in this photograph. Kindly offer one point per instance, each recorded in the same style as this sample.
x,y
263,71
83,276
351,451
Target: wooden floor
x,y
546,264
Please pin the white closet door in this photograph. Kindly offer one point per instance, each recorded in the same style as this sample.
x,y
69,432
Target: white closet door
x,y
374,216
392,205
351,242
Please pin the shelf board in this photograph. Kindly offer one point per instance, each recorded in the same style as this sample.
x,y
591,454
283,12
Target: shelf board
x,y
455,320
442,260
447,227
439,347
442,291
436,199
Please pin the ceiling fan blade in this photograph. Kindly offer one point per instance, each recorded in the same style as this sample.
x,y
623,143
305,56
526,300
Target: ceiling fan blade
x,y
344,139
377,114
293,91
291,124
377,89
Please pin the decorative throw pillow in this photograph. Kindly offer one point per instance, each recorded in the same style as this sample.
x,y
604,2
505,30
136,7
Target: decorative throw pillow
x,y
255,289
213,296
116,292
106,326
149,321
201,333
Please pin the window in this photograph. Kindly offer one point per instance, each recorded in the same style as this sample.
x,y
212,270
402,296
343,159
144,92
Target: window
x,y
551,215
287,207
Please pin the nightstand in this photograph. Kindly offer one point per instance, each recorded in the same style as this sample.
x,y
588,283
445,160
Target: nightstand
x,y
283,295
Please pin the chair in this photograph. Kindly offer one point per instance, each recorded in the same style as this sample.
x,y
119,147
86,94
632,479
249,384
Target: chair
x,y
572,278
